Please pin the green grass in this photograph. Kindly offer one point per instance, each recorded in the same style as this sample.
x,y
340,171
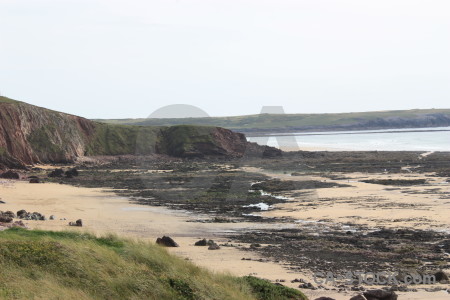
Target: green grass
x,y
112,139
72,265
182,138
288,121
7,100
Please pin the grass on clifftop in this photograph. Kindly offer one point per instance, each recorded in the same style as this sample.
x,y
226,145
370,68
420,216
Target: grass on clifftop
x,y
285,122
71,265
7,100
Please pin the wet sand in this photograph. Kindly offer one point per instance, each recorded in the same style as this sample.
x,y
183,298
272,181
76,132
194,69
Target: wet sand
x,y
424,207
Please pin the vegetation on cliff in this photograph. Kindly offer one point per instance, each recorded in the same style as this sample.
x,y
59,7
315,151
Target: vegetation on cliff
x,y
308,122
31,134
45,265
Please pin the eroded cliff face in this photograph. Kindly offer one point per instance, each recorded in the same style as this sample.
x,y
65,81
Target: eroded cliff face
x,y
30,134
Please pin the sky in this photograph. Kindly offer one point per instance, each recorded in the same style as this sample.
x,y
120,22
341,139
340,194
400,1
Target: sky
x,y
126,59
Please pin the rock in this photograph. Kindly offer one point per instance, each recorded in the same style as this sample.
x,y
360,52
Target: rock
x,y
77,223
5,219
10,175
9,214
253,246
52,217
441,276
324,298
18,224
34,180
358,297
214,246
307,285
56,173
71,173
37,216
166,241
201,243
21,214
2,202
380,295
272,152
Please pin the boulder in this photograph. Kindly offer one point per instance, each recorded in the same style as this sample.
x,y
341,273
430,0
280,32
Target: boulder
x,y
10,175
77,223
324,298
56,173
5,219
380,295
307,285
9,214
358,297
34,180
52,217
201,243
441,276
214,246
21,214
36,216
166,241
71,173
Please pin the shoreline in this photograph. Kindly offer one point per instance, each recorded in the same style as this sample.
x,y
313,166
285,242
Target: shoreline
x,y
134,221
104,212
108,210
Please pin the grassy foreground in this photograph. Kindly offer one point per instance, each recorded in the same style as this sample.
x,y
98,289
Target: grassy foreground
x,y
71,265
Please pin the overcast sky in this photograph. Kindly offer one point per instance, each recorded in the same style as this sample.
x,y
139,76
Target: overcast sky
x,y
117,59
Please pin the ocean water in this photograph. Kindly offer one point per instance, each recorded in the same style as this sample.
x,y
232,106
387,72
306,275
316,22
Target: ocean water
x,y
411,139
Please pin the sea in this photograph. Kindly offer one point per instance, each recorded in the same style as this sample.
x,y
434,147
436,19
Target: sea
x,y
410,139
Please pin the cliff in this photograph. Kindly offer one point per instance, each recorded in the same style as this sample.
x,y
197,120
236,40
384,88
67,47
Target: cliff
x,y
31,134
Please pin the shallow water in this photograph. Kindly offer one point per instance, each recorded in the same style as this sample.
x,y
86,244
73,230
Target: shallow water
x,y
411,139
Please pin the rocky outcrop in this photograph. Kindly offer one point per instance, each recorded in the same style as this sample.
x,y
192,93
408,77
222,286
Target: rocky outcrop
x,y
31,134
197,141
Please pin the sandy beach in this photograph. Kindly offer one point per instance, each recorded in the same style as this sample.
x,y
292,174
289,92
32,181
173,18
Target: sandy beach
x,y
102,212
